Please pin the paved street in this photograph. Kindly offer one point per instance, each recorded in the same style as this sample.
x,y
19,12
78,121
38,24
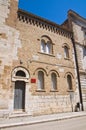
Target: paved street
x,y
78,123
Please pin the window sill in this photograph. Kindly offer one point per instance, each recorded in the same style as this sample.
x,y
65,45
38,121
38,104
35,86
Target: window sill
x,y
46,54
67,58
53,90
70,90
40,90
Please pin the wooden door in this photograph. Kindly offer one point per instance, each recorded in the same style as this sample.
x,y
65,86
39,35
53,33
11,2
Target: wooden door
x,y
19,95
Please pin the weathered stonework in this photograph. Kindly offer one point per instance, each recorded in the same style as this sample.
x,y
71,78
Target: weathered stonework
x,y
9,44
78,26
20,50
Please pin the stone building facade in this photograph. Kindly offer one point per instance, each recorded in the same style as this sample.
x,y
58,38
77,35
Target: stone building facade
x,y
37,64
77,24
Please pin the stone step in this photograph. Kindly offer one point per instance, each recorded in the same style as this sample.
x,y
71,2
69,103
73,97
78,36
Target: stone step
x,y
17,119
13,118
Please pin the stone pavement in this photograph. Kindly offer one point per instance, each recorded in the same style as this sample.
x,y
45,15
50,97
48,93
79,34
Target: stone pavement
x,y
29,120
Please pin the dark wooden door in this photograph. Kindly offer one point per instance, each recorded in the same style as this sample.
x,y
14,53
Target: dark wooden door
x,y
19,96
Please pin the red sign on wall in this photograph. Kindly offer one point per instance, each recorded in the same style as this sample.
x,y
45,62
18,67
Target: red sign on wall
x,y
33,80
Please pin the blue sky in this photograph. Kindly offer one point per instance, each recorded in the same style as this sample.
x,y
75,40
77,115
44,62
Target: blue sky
x,y
53,10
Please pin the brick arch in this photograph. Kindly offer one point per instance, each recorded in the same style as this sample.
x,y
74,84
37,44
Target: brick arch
x,y
40,69
46,38
53,71
66,45
68,73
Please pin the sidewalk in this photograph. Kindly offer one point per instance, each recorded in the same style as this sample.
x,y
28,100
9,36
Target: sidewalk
x,y
44,118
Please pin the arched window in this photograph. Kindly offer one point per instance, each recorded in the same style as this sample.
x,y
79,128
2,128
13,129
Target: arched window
x,y
20,73
46,45
43,46
69,82
48,48
54,81
66,52
40,80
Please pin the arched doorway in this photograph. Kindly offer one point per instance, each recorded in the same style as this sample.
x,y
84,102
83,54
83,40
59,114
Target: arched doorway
x,y
20,80
19,95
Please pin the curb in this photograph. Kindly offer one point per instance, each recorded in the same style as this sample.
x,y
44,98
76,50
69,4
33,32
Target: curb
x,y
42,120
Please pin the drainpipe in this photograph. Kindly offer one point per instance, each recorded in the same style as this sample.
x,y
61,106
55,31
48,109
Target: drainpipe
x,y
78,75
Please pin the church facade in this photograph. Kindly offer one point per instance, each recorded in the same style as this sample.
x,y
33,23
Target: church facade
x,y
37,64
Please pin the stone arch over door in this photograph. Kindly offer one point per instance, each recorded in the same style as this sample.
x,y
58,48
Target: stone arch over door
x,y
20,81
20,73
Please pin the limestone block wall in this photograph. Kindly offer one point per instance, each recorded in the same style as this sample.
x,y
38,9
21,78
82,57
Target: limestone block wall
x,y
78,32
83,85
79,35
54,103
79,39
79,50
84,58
9,44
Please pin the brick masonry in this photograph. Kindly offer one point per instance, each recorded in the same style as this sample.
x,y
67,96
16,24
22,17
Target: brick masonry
x,y
20,49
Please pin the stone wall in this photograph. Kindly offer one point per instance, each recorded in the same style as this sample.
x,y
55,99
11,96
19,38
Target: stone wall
x,y
81,55
9,44
20,48
45,102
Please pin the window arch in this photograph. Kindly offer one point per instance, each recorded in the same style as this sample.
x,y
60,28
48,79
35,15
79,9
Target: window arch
x,y
20,73
40,80
54,81
66,52
69,82
46,45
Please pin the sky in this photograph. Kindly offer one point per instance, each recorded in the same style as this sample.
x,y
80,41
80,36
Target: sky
x,y
53,10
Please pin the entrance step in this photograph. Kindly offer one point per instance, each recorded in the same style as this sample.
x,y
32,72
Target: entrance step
x,y
15,118
25,119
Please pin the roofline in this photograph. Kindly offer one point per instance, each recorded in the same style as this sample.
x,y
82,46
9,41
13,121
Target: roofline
x,y
42,19
76,15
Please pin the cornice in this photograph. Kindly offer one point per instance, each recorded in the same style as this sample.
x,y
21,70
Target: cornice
x,y
78,43
43,23
82,72
76,16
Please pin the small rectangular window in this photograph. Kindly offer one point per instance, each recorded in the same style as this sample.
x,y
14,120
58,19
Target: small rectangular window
x,y
66,52
84,51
